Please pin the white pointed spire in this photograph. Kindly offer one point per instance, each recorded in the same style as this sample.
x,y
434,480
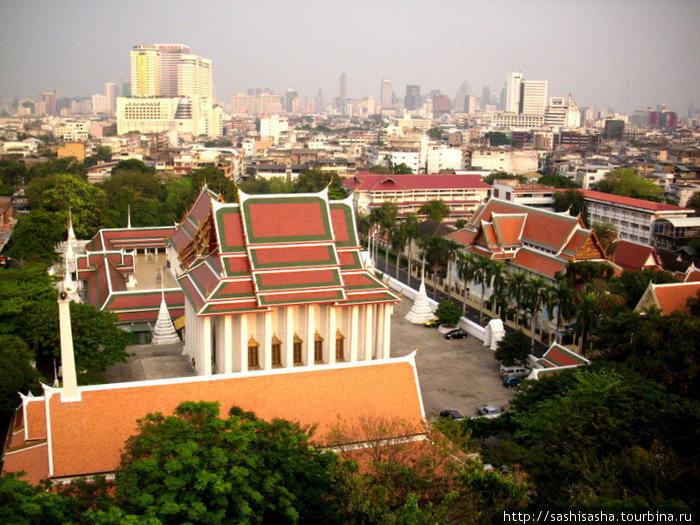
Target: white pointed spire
x,y
71,234
128,216
420,311
164,332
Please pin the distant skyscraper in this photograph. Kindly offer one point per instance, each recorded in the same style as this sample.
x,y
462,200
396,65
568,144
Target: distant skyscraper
x,y
145,71
343,86
49,99
441,105
614,129
485,96
289,97
170,56
193,77
386,98
111,95
462,98
533,98
412,100
511,95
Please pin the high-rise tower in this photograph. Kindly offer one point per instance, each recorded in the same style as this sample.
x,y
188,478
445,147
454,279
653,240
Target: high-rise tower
x,y
412,100
145,71
511,96
533,98
386,93
170,58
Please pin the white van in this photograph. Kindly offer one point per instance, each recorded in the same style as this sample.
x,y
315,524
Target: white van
x,y
514,371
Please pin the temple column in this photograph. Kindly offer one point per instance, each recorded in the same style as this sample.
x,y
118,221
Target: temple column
x,y
228,344
240,355
388,309
288,338
205,366
368,340
379,332
354,333
267,342
310,333
329,350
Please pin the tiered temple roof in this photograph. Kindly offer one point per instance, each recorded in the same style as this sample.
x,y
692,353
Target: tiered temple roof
x,y
272,250
531,239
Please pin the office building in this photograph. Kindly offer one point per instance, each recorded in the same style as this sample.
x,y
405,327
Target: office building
x,y
512,93
386,98
533,97
111,95
171,90
289,97
412,100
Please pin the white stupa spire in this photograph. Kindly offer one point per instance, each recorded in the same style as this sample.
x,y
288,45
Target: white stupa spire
x,y
421,310
164,332
71,234
128,216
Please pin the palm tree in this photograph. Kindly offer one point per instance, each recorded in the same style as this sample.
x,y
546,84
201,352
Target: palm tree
x,y
588,311
385,218
397,237
467,268
434,250
498,287
435,210
482,273
538,292
452,249
516,289
410,226
561,297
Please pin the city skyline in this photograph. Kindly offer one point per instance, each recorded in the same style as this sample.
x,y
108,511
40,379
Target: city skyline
x,y
620,54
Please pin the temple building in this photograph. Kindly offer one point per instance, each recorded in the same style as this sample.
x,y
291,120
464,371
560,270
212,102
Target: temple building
x,y
280,317
276,281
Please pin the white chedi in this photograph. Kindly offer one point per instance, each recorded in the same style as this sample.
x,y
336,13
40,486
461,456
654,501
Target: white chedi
x,y
421,311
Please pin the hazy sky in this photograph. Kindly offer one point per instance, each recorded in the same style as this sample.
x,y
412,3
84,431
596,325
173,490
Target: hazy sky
x,y
607,53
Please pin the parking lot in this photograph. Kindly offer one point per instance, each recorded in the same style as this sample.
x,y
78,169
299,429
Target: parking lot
x,y
457,375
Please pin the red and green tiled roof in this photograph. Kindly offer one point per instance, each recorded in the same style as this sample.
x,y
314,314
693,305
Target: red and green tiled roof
x,y
130,238
558,356
273,250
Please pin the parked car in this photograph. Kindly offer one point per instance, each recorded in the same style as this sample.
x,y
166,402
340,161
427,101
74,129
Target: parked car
x,y
432,323
457,333
452,414
511,381
488,411
517,371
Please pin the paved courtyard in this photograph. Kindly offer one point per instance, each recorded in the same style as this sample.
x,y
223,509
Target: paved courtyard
x,y
458,374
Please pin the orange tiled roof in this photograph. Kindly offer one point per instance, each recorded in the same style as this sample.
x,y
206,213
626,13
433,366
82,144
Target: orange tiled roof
x,y
538,263
632,256
98,425
673,297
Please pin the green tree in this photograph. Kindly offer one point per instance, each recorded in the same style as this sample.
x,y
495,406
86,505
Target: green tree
x,y
435,251
694,202
16,373
54,166
215,180
467,268
131,165
310,181
180,194
63,192
197,467
498,138
557,181
598,437
410,227
36,235
435,133
401,169
561,298
448,312
538,292
385,217
607,235
25,504
397,238
517,290
571,201
435,210
496,175
626,182
631,285
513,348
379,169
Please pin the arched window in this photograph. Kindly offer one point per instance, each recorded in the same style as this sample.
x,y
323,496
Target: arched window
x,y
318,348
253,353
297,349
339,346
276,351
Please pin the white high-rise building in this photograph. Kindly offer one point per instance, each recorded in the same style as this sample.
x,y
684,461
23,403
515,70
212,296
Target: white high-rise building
x,y
171,56
511,96
171,90
194,77
386,93
111,94
533,98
